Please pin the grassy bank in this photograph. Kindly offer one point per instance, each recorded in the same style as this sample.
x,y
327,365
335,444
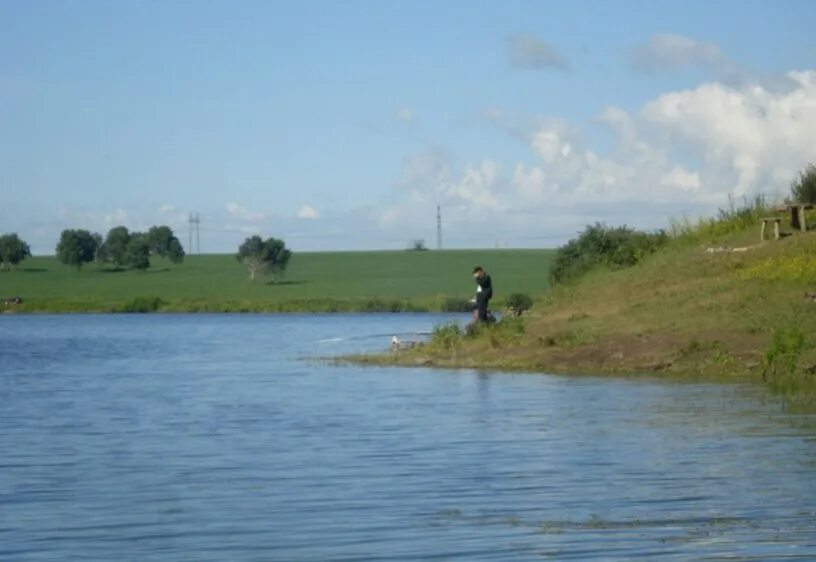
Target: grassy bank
x,y
693,309
315,282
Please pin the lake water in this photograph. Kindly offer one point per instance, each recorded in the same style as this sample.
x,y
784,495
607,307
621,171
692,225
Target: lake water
x,y
221,438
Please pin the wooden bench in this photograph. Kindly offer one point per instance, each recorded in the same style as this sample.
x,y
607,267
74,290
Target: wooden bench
x,y
798,219
776,221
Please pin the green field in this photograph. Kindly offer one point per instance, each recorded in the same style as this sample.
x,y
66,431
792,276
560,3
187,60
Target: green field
x,y
314,282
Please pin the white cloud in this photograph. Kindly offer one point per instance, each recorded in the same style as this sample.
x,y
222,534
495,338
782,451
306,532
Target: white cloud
x,y
117,218
747,139
532,184
683,152
236,211
681,178
167,208
307,212
549,145
667,52
405,114
526,51
428,180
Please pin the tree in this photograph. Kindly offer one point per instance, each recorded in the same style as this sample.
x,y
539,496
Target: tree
x,y
76,247
116,243
137,252
803,188
164,243
418,246
175,251
268,256
12,250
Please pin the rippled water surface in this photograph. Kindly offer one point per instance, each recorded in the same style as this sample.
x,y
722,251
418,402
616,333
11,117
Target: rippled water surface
x,y
215,438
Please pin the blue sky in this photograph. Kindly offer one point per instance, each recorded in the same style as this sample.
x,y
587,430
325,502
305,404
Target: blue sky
x,y
341,125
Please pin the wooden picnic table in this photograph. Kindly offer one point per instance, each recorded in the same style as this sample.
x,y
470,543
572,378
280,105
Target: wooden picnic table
x,y
797,219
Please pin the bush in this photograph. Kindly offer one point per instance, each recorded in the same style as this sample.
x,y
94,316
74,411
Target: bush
x,y
803,188
142,304
599,244
518,303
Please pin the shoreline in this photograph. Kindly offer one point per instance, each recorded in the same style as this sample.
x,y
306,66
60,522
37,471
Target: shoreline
x,y
697,370
158,305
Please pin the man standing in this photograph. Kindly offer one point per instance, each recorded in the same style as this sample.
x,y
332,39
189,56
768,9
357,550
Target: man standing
x,y
484,292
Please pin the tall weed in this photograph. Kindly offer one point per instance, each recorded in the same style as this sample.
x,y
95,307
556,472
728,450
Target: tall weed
x,y
734,218
781,360
447,336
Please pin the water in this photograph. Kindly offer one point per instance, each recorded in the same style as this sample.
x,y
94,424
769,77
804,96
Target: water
x,y
217,438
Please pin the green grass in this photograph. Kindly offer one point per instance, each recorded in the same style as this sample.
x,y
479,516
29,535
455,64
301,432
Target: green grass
x,y
682,312
314,282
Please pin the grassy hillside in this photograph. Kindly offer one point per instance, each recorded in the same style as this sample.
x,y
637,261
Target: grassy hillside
x,y
692,309
397,280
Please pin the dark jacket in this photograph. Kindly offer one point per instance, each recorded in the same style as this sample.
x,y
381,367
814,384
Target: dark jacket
x,y
486,285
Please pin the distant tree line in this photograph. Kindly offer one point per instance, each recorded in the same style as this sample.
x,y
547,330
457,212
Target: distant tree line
x,y
133,250
121,247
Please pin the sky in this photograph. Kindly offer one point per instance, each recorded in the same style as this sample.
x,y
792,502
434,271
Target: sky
x,y
343,125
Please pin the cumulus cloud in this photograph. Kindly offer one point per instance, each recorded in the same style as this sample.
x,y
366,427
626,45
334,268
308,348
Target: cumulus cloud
x,y
307,212
404,114
697,145
117,218
746,139
683,152
526,51
237,212
167,208
679,177
427,179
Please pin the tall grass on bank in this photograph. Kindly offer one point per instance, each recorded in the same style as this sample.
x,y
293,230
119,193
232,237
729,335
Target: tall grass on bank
x,y
734,218
504,333
446,336
782,367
